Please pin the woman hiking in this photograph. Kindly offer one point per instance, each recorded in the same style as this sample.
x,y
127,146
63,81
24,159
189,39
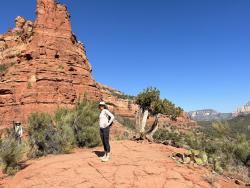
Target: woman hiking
x,y
106,119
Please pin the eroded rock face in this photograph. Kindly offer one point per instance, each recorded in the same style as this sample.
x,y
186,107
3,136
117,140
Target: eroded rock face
x,y
44,65
243,110
117,103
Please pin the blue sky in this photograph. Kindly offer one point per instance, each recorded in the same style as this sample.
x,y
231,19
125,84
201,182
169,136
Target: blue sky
x,y
197,52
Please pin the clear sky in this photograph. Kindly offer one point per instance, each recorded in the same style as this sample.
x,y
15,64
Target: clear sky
x,y
197,52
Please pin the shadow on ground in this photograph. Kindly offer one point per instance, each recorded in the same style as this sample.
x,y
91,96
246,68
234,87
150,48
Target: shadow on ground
x,y
99,153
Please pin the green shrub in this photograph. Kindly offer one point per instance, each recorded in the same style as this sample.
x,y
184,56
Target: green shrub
x,y
64,120
196,141
19,33
60,115
167,134
120,95
60,67
11,154
124,136
29,85
161,135
43,136
90,137
78,126
85,124
221,129
242,151
3,67
225,152
239,172
83,119
130,124
67,138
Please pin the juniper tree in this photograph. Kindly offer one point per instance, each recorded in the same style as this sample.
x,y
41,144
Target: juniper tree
x,y
145,99
150,104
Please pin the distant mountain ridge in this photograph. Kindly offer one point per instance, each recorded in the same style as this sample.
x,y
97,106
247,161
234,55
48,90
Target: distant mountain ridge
x,y
209,115
213,115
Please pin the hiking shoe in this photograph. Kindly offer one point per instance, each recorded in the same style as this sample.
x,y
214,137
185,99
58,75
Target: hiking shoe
x,y
105,159
104,156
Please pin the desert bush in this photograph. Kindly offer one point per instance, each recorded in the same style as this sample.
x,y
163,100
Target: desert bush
x,y
90,137
124,136
85,124
68,128
43,136
126,122
225,152
3,67
83,119
239,172
221,129
60,115
120,95
242,148
167,134
29,85
172,137
53,135
11,153
67,139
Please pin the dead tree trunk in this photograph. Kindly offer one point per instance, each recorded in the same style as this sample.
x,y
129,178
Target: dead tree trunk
x,y
144,121
138,119
153,129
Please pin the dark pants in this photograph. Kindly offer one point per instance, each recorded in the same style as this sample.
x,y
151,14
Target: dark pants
x,y
104,133
18,139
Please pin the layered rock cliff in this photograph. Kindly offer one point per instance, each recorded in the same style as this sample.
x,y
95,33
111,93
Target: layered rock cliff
x,y
245,109
42,65
118,102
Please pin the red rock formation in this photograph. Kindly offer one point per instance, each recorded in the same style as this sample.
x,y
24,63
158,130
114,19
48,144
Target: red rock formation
x,y
46,66
43,66
118,102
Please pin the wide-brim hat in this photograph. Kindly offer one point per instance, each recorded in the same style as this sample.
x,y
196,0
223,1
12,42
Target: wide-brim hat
x,y
102,103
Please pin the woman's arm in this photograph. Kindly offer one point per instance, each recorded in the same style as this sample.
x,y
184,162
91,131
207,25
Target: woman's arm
x,y
21,132
112,117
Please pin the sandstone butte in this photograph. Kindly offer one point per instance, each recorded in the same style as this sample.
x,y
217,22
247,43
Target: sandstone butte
x,y
44,67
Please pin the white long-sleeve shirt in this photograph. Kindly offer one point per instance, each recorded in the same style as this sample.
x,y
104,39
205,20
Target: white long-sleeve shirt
x,y
104,118
19,130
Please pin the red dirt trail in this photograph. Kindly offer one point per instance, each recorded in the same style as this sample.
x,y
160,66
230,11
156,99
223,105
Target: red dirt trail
x,y
132,165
